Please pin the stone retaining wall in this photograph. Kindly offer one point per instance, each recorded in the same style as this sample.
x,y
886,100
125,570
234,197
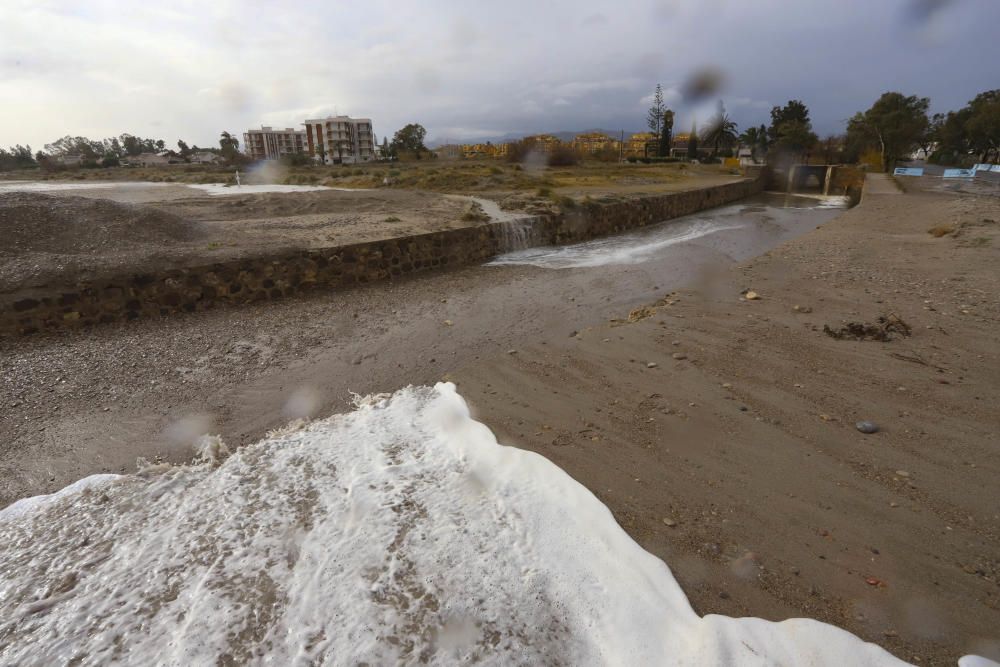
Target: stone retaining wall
x,y
135,295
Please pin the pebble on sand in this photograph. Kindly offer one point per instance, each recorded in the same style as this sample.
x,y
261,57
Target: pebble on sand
x,y
867,427
679,355
669,522
752,296
652,364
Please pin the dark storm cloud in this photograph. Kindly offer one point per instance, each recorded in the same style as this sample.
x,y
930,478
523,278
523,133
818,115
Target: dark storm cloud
x,y
472,70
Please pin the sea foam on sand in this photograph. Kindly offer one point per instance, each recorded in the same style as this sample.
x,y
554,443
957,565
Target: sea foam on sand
x,y
398,533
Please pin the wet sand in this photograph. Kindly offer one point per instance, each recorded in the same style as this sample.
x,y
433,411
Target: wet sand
x,y
782,509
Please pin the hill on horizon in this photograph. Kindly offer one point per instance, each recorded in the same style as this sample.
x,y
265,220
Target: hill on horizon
x,y
563,135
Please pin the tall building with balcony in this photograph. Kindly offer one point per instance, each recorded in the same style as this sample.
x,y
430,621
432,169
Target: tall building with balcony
x,y
270,144
340,139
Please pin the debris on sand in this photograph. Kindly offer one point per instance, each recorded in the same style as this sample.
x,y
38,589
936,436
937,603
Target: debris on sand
x,y
938,231
641,314
867,427
886,329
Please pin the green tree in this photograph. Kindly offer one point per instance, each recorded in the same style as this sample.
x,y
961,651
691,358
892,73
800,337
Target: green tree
x,y
895,125
693,142
666,134
183,147
229,146
131,144
982,128
386,151
791,130
18,157
751,138
721,130
410,139
654,117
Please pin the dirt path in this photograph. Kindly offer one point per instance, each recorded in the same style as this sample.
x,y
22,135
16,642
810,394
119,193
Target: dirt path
x,y
721,431
782,509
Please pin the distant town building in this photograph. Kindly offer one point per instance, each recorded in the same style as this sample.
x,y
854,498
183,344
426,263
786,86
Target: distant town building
x,y
544,142
340,139
595,142
204,157
488,150
679,146
270,144
155,159
70,160
641,144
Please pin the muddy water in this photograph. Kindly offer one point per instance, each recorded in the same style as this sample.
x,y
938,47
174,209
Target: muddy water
x,y
238,370
762,215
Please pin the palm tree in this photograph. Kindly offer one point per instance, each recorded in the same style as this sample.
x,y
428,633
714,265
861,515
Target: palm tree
x,y
721,130
753,139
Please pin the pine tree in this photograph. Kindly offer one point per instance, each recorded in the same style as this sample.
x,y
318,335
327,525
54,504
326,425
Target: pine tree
x,y
693,142
654,117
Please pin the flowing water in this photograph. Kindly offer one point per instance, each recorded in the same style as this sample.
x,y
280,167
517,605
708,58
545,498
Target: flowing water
x,y
649,242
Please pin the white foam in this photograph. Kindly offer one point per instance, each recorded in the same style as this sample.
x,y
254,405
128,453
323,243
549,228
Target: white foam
x,y
632,248
218,189
399,533
58,186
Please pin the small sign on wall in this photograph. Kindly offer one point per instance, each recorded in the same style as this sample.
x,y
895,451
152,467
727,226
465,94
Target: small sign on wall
x,y
908,171
959,173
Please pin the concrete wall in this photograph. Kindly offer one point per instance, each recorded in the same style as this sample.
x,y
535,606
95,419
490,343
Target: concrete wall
x,y
135,295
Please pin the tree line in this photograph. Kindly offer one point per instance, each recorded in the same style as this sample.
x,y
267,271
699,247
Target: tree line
x,y
790,131
897,125
106,152
893,128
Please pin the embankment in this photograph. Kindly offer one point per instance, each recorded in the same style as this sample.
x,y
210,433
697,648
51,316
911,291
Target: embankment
x,y
129,296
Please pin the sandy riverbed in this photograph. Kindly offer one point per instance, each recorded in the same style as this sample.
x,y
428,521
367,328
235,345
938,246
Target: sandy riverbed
x,y
782,509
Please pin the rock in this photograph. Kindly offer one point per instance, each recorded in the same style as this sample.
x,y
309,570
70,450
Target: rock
x,y
652,364
752,296
802,309
726,385
448,323
902,473
676,342
867,427
669,523
679,355
511,351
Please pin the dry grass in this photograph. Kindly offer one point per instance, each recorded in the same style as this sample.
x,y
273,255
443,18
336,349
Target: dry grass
x,y
436,175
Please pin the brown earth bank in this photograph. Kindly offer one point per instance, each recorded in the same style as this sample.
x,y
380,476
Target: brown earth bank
x,y
53,238
720,430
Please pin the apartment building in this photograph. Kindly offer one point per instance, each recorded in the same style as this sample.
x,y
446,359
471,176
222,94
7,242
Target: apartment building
x,y
595,142
340,139
270,144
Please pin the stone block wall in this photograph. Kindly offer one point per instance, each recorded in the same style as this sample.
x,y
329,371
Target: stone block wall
x,y
263,278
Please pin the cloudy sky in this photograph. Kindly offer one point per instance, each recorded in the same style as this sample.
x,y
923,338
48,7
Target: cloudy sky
x,y
470,69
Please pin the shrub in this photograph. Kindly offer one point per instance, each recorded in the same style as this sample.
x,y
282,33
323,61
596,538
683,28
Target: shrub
x,y
563,156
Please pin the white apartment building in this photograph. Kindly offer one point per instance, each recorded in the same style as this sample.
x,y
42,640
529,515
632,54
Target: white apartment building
x,y
340,139
270,144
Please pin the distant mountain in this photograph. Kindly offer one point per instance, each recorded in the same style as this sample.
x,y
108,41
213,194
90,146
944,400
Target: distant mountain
x,y
564,135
